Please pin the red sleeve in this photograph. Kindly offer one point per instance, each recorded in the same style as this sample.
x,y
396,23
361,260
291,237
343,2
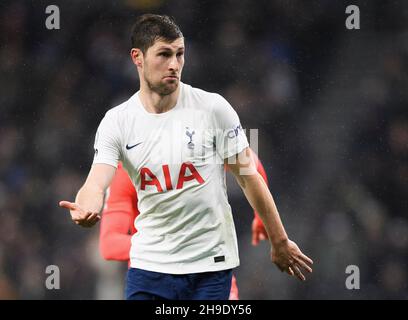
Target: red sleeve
x,y
118,216
234,295
260,168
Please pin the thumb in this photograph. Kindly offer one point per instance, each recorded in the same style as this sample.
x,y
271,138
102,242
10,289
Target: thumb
x,y
68,205
255,237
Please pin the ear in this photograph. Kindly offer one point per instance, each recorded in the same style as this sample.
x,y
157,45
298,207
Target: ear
x,y
137,57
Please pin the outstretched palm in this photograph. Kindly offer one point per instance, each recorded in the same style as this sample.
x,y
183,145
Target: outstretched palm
x,y
81,217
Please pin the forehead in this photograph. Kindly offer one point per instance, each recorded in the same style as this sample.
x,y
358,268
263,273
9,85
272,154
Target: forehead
x,y
161,44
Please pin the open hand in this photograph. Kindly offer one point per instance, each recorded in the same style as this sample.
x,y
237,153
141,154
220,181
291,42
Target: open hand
x,y
81,217
288,257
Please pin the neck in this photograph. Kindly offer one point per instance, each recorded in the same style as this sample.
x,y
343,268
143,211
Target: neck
x,y
156,103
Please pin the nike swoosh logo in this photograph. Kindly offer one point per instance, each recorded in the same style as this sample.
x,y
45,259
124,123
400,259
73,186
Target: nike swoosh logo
x,y
135,145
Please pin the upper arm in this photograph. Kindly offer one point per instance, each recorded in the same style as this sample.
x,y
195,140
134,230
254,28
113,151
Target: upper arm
x,y
230,138
107,153
108,140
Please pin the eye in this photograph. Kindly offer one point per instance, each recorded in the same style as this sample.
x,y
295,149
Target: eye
x,y
179,54
164,54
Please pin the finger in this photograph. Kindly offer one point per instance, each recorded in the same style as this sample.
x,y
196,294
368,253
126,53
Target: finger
x,y
290,271
91,216
68,205
85,216
79,220
89,224
303,265
306,259
81,217
94,220
262,236
298,273
89,220
255,238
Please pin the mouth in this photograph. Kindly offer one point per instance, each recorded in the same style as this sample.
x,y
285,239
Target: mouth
x,y
170,78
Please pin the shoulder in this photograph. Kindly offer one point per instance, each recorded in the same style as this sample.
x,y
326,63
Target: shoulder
x,y
118,116
122,109
211,100
214,104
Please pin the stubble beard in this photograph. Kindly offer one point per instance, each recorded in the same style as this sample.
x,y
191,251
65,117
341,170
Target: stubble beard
x,y
160,88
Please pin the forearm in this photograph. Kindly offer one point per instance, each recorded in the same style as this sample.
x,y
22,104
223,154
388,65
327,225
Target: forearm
x,y
90,197
261,200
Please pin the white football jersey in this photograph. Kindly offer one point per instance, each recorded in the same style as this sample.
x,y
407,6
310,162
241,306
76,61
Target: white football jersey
x,y
175,160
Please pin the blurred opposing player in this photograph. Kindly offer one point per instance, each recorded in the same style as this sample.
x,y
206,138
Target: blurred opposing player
x,y
174,141
120,212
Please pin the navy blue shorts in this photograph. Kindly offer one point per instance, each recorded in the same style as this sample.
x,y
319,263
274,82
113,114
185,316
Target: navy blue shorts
x,y
150,285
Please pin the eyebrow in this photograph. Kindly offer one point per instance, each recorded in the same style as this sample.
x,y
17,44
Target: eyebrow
x,y
169,48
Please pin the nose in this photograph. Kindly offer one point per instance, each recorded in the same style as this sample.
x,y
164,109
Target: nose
x,y
173,64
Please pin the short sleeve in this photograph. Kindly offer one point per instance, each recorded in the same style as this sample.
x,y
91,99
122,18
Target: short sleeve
x,y
230,138
107,141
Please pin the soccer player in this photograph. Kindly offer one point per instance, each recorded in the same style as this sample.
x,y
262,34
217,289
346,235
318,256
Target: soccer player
x,y
174,141
120,211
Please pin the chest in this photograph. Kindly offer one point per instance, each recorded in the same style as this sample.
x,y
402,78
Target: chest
x,y
180,138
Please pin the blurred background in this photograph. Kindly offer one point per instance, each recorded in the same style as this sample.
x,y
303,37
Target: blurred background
x,y
330,105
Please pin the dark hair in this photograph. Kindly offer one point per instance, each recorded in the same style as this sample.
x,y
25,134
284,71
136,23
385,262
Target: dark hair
x,y
150,27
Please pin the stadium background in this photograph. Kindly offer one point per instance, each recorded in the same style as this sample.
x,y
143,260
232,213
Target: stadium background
x,y
330,105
